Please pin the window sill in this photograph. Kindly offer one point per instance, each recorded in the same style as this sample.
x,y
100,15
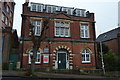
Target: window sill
x,y
85,37
35,63
62,37
86,62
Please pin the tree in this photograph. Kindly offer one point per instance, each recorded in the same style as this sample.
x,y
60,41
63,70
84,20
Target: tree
x,y
111,61
36,41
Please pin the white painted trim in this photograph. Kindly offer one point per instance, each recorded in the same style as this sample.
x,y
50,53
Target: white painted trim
x,y
67,60
25,54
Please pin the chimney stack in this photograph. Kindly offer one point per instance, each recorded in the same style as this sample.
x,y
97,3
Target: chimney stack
x,y
26,1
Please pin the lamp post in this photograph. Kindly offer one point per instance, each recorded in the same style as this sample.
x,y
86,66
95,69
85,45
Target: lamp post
x,y
103,66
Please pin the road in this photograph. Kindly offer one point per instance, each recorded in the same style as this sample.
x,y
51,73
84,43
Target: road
x,y
47,78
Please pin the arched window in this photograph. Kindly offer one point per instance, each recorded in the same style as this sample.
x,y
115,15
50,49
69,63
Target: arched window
x,y
38,57
85,56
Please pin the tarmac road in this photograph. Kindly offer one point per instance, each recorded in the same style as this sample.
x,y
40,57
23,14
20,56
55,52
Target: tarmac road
x,y
47,78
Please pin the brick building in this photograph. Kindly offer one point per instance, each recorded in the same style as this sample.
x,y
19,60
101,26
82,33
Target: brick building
x,y
69,41
8,34
111,39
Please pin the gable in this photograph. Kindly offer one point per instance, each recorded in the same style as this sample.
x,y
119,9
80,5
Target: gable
x,y
62,15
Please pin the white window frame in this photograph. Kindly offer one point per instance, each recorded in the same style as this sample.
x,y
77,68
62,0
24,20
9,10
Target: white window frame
x,y
51,10
62,27
7,21
84,28
85,56
40,9
7,8
36,62
37,26
70,11
65,9
78,12
11,14
3,17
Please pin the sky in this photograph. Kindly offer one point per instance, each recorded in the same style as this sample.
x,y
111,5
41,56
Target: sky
x,y
106,12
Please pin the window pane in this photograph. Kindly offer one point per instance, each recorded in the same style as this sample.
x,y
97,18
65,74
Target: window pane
x,y
33,7
66,24
38,57
54,9
62,24
62,31
57,31
39,8
58,24
87,51
87,57
49,9
3,17
82,33
69,11
78,12
83,57
37,24
86,33
67,32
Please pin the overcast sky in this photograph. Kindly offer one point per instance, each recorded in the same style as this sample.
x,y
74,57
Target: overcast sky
x,y
106,12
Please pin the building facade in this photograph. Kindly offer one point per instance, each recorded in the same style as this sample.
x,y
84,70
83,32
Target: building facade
x,y
111,39
67,43
7,31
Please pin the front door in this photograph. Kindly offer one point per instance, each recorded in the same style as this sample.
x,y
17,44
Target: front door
x,y
62,60
14,59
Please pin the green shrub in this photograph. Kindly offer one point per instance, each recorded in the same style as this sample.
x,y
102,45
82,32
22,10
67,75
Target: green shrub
x,y
111,61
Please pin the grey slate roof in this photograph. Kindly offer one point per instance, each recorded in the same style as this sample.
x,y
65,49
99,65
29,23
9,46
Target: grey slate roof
x,y
112,34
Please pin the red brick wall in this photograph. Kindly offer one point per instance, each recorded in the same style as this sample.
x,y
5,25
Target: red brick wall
x,y
112,45
75,47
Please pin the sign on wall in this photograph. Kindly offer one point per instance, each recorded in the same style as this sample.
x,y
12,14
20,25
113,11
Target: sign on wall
x,y
46,50
46,59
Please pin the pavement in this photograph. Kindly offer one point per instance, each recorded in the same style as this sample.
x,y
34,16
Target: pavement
x,y
54,76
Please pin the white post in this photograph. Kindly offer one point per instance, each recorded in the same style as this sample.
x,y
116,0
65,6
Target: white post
x,y
103,67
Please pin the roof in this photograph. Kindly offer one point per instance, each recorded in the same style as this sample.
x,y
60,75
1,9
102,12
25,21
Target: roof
x,y
112,34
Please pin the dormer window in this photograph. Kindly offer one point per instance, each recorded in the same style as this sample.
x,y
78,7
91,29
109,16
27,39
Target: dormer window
x,y
49,9
65,9
69,11
78,13
37,7
54,9
33,7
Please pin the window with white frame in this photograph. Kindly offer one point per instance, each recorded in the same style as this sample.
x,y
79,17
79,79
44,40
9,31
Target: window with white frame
x,y
78,13
85,56
37,27
65,9
38,57
49,9
33,7
7,9
69,11
62,29
7,21
10,14
3,17
84,29
54,9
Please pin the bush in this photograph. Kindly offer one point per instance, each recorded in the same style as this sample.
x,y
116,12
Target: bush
x,y
111,61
